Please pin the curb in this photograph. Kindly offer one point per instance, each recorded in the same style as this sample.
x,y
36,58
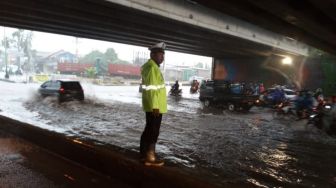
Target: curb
x,y
7,80
113,163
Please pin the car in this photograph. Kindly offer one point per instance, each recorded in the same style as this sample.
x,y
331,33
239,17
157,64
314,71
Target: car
x,y
63,89
224,93
289,94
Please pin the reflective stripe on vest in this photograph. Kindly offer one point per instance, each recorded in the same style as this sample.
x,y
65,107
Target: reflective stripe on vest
x,y
153,87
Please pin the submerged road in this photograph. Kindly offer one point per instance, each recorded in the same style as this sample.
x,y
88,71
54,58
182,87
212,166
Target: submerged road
x,y
23,164
252,149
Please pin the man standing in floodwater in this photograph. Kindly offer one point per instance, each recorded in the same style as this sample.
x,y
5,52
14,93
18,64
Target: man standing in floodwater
x,y
154,103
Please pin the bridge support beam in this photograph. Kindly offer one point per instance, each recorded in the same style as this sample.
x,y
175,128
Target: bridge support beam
x,y
194,14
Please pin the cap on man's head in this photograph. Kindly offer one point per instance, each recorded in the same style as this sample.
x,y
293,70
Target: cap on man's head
x,y
159,47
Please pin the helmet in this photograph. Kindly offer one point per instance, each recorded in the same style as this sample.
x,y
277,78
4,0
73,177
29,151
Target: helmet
x,y
159,47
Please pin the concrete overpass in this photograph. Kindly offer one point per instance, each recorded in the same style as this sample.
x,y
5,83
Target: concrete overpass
x,y
309,21
196,27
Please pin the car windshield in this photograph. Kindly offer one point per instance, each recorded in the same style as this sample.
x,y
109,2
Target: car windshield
x,y
71,85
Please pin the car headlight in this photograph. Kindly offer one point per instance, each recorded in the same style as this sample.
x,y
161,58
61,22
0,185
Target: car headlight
x,y
312,116
327,106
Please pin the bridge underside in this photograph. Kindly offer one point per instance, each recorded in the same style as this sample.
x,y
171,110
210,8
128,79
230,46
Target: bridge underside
x,y
98,19
309,21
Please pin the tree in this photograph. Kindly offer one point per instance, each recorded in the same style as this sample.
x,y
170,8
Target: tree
x,y
111,56
22,41
91,72
92,57
18,39
6,42
199,65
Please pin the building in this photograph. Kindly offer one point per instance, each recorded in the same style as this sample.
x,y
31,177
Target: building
x,y
47,62
184,73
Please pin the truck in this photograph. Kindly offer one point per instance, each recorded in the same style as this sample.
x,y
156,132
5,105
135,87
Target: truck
x,y
226,94
72,68
125,70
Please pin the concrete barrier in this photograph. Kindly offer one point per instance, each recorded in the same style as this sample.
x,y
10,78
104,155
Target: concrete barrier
x,y
109,160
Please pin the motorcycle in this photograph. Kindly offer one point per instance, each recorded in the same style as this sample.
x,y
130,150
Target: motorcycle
x,y
194,89
174,92
317,113
316,117
284,109
140,88
324,120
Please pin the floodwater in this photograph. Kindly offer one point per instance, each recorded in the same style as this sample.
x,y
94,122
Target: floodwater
x,y
251,149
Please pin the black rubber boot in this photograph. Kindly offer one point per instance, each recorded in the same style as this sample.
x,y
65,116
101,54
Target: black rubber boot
x,y
143,150
151,160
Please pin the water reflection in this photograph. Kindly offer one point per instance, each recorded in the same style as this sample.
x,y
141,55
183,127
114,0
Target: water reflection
x,y
250,148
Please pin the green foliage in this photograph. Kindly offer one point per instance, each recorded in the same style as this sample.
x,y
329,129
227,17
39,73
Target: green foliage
x,y
91,72
329,72
22,41
6,42
92,57
199,65
109,57
18,39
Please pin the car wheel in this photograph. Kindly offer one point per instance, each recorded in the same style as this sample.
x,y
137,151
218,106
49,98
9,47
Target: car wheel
x,y
206,102
60,99
231,107
247,108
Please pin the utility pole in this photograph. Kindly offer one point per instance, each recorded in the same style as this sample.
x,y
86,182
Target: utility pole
x,y
5,45
77,58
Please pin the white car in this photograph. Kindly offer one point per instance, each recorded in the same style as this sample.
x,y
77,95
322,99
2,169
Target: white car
x,y
289,94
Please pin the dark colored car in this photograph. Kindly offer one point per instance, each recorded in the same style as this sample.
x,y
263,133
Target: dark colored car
x,y
63,90
219,92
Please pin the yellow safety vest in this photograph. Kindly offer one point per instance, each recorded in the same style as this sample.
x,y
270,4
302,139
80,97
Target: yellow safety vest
x,y
153,88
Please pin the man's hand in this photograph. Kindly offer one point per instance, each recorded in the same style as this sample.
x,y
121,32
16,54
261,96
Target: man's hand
x,y
156,112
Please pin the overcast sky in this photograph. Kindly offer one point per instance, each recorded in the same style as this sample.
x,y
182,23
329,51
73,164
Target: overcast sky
x,y
47,42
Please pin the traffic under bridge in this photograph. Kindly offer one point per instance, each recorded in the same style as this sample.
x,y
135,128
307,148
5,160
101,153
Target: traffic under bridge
x,y
132,23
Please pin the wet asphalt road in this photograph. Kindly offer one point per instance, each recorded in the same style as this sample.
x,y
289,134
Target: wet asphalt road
x,y
252,149
24,165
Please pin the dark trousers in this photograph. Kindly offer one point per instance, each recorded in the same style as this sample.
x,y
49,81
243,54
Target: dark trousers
x,y
151,133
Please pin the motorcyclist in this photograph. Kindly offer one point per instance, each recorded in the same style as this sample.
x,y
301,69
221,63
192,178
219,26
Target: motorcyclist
x,y
278,95
329,118
194,86
176,86
175,89
305,103
318,95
